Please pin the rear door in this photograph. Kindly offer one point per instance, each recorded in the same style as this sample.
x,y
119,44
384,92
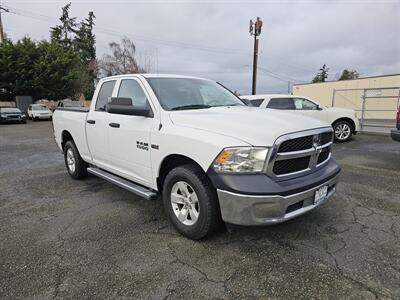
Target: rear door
x,y
97,126
281,103
130,141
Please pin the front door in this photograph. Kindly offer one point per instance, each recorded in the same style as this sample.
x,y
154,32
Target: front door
x,y
308,108
129,136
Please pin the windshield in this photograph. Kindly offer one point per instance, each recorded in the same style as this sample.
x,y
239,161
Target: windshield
x,y
188,93
10,110
39,107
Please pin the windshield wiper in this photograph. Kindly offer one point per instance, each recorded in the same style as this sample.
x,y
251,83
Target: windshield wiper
x,y
191,106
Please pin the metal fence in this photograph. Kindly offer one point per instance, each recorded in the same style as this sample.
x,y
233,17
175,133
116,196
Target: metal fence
x,y
375,107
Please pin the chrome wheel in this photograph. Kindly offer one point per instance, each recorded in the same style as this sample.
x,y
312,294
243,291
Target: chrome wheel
x,y
342,131
185,203
71,160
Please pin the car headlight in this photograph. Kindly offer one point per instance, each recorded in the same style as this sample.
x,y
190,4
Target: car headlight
x,y
241,160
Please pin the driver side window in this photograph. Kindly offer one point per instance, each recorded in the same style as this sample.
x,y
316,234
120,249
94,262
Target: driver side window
x,y
130,88
304,104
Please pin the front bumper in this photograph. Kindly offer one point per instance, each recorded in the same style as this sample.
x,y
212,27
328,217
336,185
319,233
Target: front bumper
x,y
395,133
250,210
12,120
260,200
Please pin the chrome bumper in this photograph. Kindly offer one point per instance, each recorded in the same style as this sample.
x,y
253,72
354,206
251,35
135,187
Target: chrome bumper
x,y
271,209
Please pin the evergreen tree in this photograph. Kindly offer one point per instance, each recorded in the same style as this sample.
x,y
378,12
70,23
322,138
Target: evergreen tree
x,y
349,74
42,70
322,75
63,34
85,46
79,37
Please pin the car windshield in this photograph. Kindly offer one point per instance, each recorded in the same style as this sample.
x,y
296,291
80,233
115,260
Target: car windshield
x,y
188,93
39,107
10,110
72,104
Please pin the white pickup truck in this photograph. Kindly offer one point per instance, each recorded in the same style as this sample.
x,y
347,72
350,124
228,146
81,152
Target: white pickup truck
x,y
196,144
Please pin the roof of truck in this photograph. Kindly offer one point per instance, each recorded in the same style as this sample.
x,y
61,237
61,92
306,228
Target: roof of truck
x,y
154,75
263,96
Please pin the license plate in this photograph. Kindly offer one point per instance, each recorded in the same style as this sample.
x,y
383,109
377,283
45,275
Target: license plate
x,y
320,194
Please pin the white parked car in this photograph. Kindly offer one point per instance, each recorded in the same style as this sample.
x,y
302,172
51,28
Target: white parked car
x,y
196,144
39,111
343,121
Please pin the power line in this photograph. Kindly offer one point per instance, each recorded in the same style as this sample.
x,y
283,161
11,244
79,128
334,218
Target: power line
x,y
280,76
154,40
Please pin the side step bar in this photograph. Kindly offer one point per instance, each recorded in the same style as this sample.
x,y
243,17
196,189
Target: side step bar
x,y
123,183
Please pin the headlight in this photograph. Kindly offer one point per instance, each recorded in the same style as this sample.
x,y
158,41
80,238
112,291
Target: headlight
x,y
241,160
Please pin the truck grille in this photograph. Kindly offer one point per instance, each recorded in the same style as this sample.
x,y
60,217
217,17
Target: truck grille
x,y
301,143
298,153
291,165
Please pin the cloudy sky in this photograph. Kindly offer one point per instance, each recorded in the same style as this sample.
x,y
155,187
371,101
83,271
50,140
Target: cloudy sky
x,y
211,39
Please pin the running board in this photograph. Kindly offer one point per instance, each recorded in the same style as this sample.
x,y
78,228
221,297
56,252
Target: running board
x,y
123,183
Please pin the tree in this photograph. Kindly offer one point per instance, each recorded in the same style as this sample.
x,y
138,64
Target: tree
x,y
42,70
322,75
85,45
57,72
62,34
349,74
17,68
122,60
79,37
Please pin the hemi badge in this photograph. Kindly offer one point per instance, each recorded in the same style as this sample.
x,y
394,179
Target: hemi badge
x,y
153,146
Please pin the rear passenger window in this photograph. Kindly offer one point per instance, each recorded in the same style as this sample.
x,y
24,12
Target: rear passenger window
x,y
129,88
104,93
256,102
281,103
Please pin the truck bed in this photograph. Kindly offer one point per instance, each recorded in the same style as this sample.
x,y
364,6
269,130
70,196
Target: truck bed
x,y
77,109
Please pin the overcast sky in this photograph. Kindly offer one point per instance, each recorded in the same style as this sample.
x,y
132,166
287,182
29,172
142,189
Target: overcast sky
x,y
211,39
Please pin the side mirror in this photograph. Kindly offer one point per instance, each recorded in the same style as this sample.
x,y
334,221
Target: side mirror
x,y
123,106
319,107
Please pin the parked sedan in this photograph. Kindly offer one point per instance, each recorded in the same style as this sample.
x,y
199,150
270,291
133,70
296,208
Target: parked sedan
x,y
12,115
395,133
39,111
343,121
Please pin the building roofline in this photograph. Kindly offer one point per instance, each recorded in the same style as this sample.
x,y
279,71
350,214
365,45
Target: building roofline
x,y
388,75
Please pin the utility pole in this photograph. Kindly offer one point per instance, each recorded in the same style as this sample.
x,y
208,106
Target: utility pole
x,y
1,24
255,30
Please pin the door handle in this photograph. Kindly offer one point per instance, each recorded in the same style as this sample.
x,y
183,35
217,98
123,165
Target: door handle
x,y
115,125
91,121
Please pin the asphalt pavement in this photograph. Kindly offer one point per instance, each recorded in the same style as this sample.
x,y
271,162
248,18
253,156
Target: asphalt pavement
x,y
62,238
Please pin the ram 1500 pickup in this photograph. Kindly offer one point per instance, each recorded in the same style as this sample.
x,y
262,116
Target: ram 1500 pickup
x,y
196,144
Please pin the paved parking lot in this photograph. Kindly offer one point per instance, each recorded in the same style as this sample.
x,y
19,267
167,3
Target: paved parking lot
x,y
84,239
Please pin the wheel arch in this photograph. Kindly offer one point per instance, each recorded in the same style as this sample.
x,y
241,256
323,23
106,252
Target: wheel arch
x,y
353,125
170,162
65,137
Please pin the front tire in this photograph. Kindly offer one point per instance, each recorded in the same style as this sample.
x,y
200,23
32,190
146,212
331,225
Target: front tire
x,y
76,166
342,130
191,202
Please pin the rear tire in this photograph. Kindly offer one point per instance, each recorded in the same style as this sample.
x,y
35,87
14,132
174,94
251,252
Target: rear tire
x,y
191,202
342,131
76,166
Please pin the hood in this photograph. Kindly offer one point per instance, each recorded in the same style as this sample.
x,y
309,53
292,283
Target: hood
x,y
255,126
